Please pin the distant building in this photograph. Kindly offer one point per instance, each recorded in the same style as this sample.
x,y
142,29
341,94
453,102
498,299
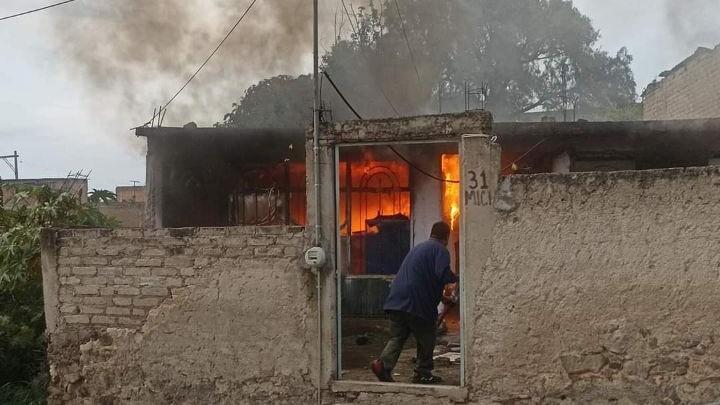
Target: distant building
x,y
76,186
130,193
129,208
690,90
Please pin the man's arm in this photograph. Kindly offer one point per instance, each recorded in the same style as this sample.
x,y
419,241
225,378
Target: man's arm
x,y
442,268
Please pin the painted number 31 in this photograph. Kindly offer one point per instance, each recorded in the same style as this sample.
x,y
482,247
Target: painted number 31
x,y
473,183
477,192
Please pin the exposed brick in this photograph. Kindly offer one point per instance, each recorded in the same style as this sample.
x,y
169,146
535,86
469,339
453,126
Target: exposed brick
x,y
155,291
235,242
69,261
292,251
289,240
95,261
64,271
164,271
239,252
127,290
68,309
129,321
69,280
137,271
100,280
123,280
187,272
84,271
117,311
146,302
103,320
269,251
77,319
153,252
212,252
260,241
154,262
109,251
87,290
139,311
78,251
109,271
179,261
95,301
123,261
122,301
86,309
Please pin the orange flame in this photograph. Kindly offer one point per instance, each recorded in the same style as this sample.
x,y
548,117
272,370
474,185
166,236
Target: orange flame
x,y
451,191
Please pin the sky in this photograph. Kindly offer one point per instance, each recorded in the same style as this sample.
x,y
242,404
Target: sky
x,y
60,121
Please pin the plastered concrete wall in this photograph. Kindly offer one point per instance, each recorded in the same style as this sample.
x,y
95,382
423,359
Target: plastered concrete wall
x,y
181,316
691,91
602,289
128,214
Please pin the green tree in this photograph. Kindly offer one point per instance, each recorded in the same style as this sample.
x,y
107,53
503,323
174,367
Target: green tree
x,y
531,55
101,196
23,373
278,102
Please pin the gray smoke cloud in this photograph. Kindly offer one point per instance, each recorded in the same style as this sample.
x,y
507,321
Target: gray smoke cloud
x,y
694,23
137,53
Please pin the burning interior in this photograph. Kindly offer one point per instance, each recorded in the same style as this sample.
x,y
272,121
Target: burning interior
x,y
389,197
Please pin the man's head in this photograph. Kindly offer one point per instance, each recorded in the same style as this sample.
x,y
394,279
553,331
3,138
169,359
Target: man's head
x,y
441,232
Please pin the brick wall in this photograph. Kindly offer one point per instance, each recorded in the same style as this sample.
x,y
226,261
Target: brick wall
x,y
691,91
127,305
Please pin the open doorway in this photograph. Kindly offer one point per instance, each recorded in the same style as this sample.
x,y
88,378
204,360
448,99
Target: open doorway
x,y
388,198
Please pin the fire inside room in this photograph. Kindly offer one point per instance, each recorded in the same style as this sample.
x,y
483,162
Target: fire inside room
x,y
389,197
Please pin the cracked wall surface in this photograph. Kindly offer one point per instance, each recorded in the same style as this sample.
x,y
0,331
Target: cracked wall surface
x,y
191,316
602,288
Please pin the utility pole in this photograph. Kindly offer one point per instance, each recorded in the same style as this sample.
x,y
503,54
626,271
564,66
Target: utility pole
x,y
564,95
13,167
134,183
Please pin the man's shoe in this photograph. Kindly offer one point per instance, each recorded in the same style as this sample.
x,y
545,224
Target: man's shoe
x,y
426,378
382,374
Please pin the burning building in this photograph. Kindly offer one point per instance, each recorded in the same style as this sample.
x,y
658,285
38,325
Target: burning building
x,y
575,287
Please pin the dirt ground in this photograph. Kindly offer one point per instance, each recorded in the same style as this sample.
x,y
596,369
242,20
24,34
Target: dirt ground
x,y
364,338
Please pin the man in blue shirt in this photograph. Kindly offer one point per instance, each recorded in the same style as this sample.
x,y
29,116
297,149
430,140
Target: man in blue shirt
x,y
412,305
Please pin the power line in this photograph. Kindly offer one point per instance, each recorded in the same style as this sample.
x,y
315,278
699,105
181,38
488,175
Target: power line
x,y
247,10
406,160
362,52
36,10
525,154
407,42
342,96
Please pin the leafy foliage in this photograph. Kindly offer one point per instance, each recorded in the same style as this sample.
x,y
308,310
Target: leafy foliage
x,y
531,55
22,324
101,196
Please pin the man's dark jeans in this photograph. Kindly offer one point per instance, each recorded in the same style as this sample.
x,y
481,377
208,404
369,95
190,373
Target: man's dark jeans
x,y
402,324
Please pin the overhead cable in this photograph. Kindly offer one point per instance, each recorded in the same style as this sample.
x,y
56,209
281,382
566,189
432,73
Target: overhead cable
x,y
247,10
35,10
406,160
407,42
362,53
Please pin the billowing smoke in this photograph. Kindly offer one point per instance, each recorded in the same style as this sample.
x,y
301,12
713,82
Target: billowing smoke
x,y
143,51
694,22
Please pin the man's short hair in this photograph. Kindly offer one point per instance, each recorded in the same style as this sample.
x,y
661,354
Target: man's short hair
x,y
440,230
